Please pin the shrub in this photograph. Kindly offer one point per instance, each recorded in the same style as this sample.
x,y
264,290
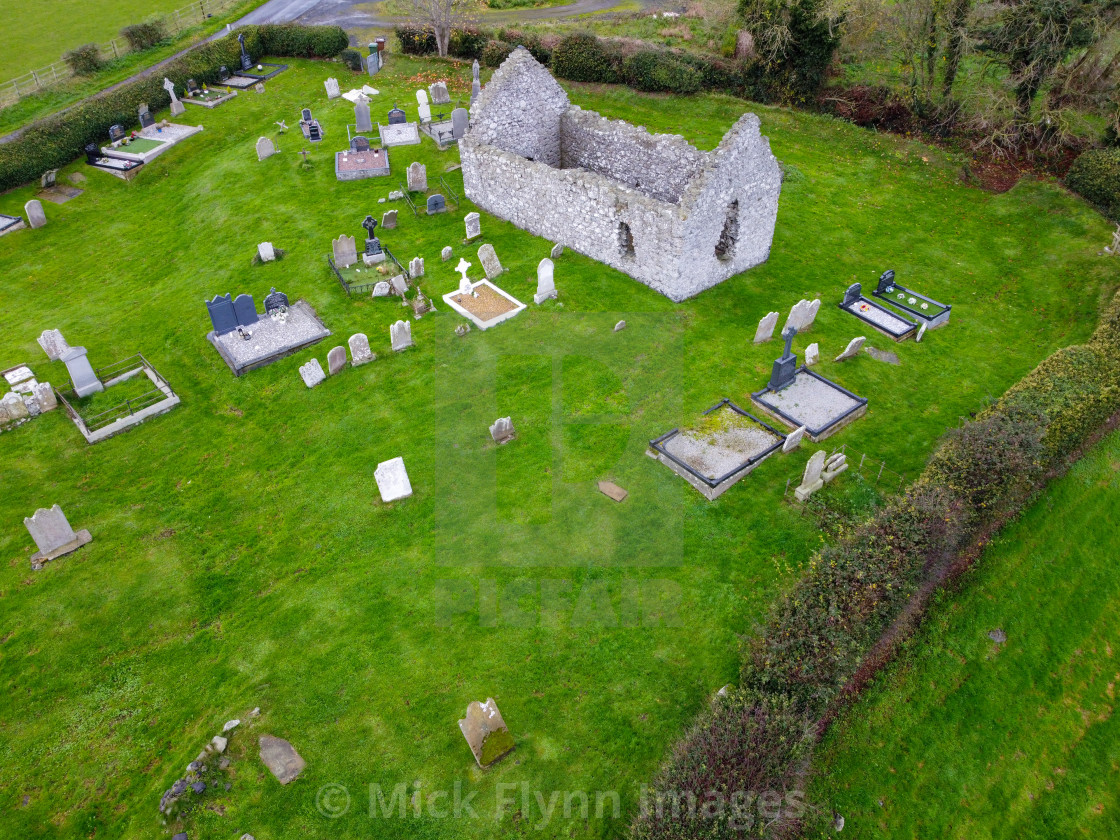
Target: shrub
x,y
658,71
530,41
1095,175
582,57
142,36
495,53
467,43
416,40
297,41
351,58
84,60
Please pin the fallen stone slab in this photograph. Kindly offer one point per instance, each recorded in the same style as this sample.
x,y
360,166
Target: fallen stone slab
x,y
281,758
612,490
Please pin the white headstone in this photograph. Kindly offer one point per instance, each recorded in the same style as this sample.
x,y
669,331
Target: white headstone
x,y
852,349
332,88
835,465
810,315
35,215
417,177
425,112
53,344
797,315
473,224
446,253
345,251
416,267
502,430
44,394
812,354
546,285
400,334
336,360
265,148
765,329
266,252
921,332
812,481
382,289
359,349
50,529
793,440
392,480
312,373
421,97
621,325
490,262
399,284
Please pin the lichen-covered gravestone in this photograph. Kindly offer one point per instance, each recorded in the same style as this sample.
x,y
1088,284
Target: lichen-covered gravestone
x,y
852,349
345,251
487,734
400,335
416,267
417,177
53,535
53,344
281,759
392,480
35,215
556,251
546,285
490,262
382,289
473,224
389,220
336,360
439,93
811,482
812,354
446,253
265,148
502,430
359,350
312,373
765,329
332,88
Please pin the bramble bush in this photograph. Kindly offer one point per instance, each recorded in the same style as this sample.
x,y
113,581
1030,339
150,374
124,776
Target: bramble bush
x,y
416,40
84,60
351,58
142,36
495,53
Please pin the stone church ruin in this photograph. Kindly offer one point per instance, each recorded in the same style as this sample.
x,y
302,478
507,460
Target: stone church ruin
x,y
651,205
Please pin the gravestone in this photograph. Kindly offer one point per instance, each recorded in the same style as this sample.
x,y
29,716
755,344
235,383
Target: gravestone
x,y
336,360
314,134
812,354
399,285
440,96
502,430
620,326
53,344
474,70
222,314
93,153
53,535
145,116
421,97
852,349
35,215
12,408
556,251
397,116
345,251
424,112
487,734
446,253
259,87
835,465
400,335
245,310
460,122
886,282
177,107
765,329
332,88
853,293
476,89
416,267
392,480
793,439
192,86
246,61
116,132
811,482
417,177
359,350
473,223
921,332
265,148
359,144
44,395
266,252
312,373
389,220
48,179
810,314
546,286
305,115
382,289
488,257
223,73
373,244
281,759
361,115
436,204
81,372
275,302
785,367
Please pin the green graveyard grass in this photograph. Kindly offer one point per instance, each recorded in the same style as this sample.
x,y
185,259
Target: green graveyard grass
x,y
241,556
966,738
139,146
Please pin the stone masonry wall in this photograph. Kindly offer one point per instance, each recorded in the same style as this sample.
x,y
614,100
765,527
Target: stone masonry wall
x,y
659,165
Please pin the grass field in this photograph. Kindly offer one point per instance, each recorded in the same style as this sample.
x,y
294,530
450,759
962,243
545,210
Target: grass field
x,y
240,554
964,738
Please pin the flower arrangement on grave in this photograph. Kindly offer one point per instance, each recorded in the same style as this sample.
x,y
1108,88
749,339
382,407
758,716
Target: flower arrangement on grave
x,y
925,306
912,301
863,307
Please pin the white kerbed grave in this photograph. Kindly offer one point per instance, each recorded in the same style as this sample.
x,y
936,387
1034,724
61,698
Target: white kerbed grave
x,y
461,298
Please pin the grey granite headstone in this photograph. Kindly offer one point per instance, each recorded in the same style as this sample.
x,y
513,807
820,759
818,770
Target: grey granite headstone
x,y
359,144
53,344
854,293
245,310
312,373
275,301
765,329
35,215
546,285
460,122
556,251
81,372
359,350
281,758
397,116
852,349
336,360
502,430
473,224
439,93
392,480
436,204
222,314
345,251
361,115
265,148
417,177
400,334
389,220
785,367
490,262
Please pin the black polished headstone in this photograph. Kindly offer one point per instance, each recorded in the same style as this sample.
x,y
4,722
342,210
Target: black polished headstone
x,y
886,281
854,293
245,310
116,132
397,116
305,115
223,73
275,300
146,119
359,144
246,61
93,152
785,368
222,315
436,204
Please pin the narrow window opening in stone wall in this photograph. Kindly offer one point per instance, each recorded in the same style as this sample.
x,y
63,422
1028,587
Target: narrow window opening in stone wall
x,y
625,240
725,247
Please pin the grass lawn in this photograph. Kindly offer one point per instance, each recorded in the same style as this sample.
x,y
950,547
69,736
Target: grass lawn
x,y
964,738
140,145
242,558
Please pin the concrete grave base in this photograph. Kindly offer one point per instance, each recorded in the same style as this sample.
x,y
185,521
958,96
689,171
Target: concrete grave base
x,y
210,103
10,223
819,404
40,559
452,299
271,339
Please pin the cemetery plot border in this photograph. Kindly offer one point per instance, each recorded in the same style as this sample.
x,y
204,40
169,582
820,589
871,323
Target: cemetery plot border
x,y
301,328
439,131
10,223
712,487
356,166
131,412
204,100
517,306
898,297
880,318
166,137
245,79
449,191
812,387
126,170
352,289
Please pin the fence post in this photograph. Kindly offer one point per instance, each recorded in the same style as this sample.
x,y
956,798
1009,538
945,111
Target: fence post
x,y
880,475
113,44
35,76
202,9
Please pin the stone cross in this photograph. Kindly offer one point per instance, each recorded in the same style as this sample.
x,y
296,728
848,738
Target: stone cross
x,y
177,107
370,224
765,329
785,368
462,269
305,153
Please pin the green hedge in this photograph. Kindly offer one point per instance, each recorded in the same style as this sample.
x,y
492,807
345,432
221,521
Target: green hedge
x,y
1096,176
56,140
416,40
467,43
581,57
495,53
142,36
660,71
84,60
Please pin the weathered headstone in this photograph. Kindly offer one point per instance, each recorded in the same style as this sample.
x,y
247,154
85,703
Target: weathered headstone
x,y
336,360
446,253
417,177
53,535
416,267
53,344
812,354
332,88
546,285
35,215
48,178
436,204
440,96
382,289
177,107
811,482
266,252
556,251
359,144
361,115
883,355
399,284
12,407
345,251
765,329
785,367
424,112
281,759
389,220
810,315
835,465
222,315
44,395
502,430
620,326
476,89
400,335
359,350
245,310
473,224
488,257
392,480
921,332
312,373
460,122
81,372
852,349
265,148
793,439
487,734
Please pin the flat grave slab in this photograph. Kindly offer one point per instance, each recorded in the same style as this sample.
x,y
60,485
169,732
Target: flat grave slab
x,y
59,193
153,142
210,99
10,223
492,306
272,337
725,447
354,166
247,78
126,170
440,131
399,134
819,404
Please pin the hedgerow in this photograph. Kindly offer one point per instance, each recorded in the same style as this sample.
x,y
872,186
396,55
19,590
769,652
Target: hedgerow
x,y
1096,176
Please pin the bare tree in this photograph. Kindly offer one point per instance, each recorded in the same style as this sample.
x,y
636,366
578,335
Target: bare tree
x,y
443,16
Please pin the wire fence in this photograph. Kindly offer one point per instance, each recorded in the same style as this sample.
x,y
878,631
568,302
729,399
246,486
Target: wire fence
x,y
35,81
869,469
